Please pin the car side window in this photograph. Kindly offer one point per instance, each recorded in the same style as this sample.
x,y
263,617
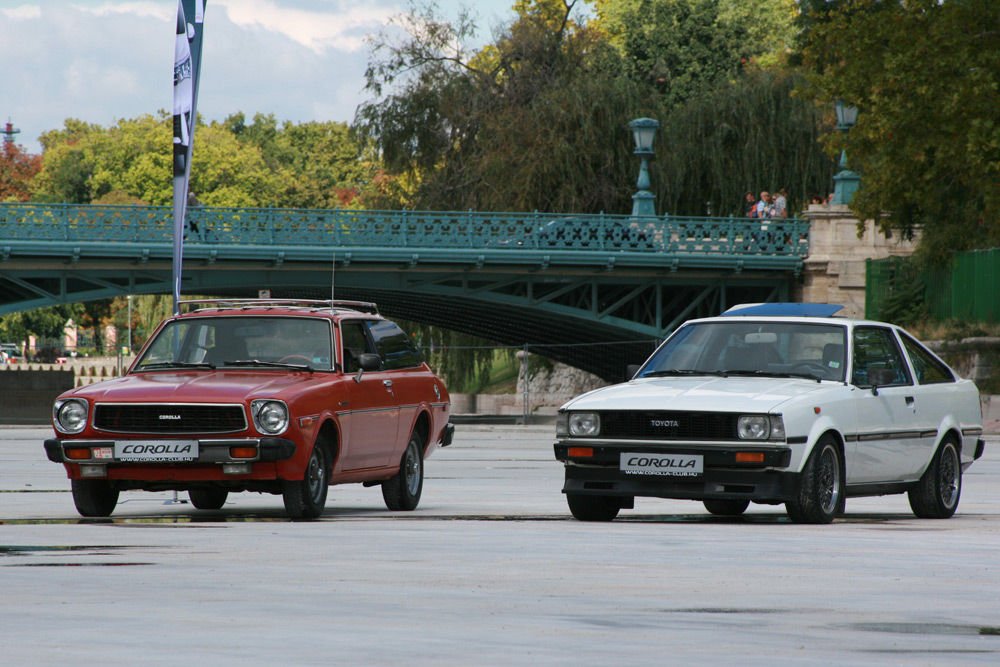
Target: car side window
x,y
394,346
356,343
928,368
875,349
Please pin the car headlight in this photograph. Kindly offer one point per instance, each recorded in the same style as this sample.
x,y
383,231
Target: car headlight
x,y
584,424
760,427
269,416
70,415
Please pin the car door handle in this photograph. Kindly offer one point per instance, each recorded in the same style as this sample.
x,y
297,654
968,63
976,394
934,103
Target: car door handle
x,y
387,384
909,401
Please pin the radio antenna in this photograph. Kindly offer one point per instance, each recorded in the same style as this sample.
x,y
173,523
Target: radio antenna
x,y
333,279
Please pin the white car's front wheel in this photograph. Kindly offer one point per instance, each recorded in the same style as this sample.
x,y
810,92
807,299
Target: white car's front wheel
x,y
821,488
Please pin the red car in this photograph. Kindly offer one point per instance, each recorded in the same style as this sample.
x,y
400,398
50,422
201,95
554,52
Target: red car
x,y
272,396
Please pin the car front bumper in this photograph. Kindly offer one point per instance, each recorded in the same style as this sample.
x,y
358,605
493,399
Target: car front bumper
x,y
210,450
722,477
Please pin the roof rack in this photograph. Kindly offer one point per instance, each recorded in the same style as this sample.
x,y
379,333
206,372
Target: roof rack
x,y
309,304
784,309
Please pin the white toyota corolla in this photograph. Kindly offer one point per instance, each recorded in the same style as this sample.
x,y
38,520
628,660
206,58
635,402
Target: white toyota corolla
x,y
775,403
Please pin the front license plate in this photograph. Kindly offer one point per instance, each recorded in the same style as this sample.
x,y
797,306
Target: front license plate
x,y
156,450
669,465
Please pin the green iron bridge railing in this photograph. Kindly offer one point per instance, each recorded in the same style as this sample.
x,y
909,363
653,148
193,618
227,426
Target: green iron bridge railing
x,y
568,283
672,242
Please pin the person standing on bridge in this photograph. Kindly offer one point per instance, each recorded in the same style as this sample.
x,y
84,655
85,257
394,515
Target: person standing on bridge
x,y
781,204
750,205
765,209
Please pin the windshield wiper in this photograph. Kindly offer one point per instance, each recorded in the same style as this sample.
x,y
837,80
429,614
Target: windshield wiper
x,y
265,364
175,364
678,371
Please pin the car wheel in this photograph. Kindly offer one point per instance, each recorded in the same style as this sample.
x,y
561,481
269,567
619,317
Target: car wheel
x,y
306,498
593,508
94,497
726,507
821,486
937,493
211,498
402,492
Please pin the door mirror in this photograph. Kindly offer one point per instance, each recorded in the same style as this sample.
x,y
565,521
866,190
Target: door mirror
x,y
369,362
879,377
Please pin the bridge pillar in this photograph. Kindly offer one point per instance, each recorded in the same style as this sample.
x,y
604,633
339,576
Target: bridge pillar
x,y
834,271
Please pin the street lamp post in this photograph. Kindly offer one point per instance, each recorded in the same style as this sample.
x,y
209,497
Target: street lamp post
x,y
845,182
130,324
644,132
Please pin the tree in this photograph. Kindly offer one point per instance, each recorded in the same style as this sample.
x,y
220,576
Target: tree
x,y
927,140
17,169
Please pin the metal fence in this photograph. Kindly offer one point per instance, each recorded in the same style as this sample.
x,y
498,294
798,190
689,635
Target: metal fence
x,y
968,290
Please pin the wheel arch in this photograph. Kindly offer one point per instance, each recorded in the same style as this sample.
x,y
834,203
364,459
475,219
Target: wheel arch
x,y
422,424
328,437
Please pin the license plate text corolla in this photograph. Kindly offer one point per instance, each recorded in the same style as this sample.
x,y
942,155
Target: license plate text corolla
x,y
156,450
670,465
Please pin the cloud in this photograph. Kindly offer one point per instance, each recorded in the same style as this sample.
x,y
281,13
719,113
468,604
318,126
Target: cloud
x,y
340,29
23,12
157,10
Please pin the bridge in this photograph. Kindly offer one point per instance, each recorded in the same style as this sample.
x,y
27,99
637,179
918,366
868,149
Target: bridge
x,y
593,291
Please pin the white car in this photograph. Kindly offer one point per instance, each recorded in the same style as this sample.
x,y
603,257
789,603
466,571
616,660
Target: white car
x,y
775,403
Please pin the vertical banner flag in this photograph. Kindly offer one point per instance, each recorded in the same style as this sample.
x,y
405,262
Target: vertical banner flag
x,y
187,63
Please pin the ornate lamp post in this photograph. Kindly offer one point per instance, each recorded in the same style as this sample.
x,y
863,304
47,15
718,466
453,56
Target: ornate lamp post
x,y
845,182
644,132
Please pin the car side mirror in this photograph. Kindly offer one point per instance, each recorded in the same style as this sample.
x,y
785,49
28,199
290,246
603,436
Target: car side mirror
x,y
631,370
879,377
367,362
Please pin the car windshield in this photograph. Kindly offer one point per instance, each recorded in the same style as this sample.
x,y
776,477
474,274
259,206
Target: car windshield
x,y
752,347
249,342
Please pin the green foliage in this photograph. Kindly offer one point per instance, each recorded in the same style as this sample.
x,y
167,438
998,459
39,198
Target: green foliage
x,y
538,120
925,76
41,322
754,134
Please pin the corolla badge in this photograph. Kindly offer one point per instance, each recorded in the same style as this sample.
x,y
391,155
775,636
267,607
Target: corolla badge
x,y
171,417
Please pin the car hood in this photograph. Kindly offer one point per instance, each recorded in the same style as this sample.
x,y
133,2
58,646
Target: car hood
x,y
194,387
729,394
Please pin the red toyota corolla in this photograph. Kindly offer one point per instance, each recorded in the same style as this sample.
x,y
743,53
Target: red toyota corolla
x,y
272,396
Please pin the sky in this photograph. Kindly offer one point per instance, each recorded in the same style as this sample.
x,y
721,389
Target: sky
x,y
104,60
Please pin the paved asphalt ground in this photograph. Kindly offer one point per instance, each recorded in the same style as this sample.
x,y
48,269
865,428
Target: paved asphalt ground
x,y
490,570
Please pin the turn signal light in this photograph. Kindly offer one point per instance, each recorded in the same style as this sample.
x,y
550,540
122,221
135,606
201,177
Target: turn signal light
x,y
749,457
243,452
78,453
580,452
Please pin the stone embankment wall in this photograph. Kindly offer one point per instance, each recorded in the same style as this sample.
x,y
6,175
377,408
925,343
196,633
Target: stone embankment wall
x,y
26,395
548,388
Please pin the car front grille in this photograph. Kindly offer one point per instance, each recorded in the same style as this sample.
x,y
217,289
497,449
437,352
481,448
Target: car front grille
x,y
169,418
668,425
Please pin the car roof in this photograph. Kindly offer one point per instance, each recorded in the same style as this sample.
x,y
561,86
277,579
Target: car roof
x,y
337,309
792,312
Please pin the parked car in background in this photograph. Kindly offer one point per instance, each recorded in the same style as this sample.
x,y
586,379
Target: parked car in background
x,y
10,353
775,403
270,396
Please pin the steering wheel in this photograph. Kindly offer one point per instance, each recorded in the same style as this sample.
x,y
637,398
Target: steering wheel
x,y
811,367
295,359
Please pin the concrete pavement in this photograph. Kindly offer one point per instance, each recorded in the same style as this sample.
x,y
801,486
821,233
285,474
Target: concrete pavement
x,y
489,570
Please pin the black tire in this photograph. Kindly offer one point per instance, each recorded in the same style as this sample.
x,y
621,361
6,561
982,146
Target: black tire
x,y
593,508
937,493
726,507
821,486
208,498
94,497
402,492
306,498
